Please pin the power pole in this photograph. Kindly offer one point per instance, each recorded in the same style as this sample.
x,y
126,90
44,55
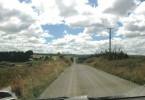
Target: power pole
x,y
110,38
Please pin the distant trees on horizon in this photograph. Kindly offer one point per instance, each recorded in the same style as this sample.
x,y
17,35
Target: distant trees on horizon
x,y
16,56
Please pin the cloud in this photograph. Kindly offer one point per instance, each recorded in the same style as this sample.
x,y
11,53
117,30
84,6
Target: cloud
x,y
20,25
51,12
134,24
67,8
79,44
117,7
140,9
133,46
46,35
20,28
13,19
84,44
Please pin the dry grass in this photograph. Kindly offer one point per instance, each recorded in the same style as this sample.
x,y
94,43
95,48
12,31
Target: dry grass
x,y
29,82
132,69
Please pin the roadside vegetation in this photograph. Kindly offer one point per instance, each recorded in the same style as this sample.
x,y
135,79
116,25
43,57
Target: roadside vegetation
x,y
114,55
128,67
16,56
29,79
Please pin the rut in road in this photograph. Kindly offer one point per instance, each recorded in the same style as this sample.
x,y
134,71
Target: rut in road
x,y
79,80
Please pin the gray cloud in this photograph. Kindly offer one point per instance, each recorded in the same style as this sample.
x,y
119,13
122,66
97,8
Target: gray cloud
x,y
8,20
132,26
66,10
121,7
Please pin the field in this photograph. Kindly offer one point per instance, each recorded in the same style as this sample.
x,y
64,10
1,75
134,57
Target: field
x,y
29,79
132,68
39,55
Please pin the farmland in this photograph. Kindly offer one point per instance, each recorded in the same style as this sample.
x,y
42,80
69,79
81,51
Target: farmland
x,y
29,79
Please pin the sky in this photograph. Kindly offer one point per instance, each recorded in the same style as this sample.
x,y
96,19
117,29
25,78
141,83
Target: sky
x,y
72,26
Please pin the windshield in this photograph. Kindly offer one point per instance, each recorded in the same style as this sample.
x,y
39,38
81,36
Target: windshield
x,y
72,48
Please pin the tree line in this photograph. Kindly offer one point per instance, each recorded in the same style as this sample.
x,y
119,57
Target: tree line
x,y
114,55
16,56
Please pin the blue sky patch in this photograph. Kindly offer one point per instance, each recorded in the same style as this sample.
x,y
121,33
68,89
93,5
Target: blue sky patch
x,y
93,3
119,23
58,31
26,1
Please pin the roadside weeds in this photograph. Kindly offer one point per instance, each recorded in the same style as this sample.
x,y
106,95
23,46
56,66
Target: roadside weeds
x,y
131,69
29,82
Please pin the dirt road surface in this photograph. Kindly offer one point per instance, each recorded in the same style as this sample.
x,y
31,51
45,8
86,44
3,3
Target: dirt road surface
x,y
82,80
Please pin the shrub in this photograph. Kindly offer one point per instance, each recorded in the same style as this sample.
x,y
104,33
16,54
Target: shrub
x,y
111,55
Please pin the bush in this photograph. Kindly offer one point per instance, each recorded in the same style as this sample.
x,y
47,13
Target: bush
x,y
111,55
81,60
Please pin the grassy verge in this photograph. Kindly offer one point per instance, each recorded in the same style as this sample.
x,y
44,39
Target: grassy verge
x,y
132,69
29,81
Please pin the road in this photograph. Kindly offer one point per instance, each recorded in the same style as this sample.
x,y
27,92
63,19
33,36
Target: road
x,y
81,80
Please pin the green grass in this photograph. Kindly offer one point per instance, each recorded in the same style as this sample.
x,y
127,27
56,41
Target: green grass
x,y
28,82
38,56
132,69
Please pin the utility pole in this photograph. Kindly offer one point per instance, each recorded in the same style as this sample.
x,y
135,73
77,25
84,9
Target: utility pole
x,y
110,38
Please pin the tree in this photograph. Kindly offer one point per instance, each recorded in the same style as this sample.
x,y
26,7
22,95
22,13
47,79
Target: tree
x,y
28,54
14,56
58,54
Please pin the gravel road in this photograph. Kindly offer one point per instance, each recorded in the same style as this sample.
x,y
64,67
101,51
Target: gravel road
x,y
82,80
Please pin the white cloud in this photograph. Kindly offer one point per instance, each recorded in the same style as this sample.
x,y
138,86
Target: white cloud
x,y
47,35
133,26
20,25
130,45
79,44
140,9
